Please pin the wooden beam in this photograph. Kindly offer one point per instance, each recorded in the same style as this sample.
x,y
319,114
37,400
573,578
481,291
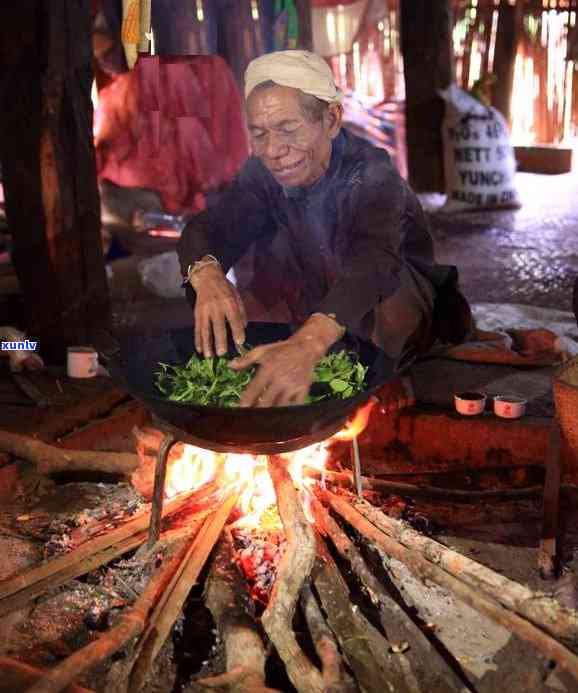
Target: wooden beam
x,y
49,171
507,39
426,41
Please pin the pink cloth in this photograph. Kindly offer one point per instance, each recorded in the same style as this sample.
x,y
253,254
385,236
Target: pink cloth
x,y
174,125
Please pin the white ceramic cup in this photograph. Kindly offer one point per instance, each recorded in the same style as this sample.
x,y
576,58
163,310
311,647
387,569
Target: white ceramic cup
x,y
470,403
81,362
509,406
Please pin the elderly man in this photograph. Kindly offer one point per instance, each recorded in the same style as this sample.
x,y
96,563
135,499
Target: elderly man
x,y
330,237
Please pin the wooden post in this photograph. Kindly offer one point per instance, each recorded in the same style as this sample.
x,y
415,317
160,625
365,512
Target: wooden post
x,y
49,171
426,40
507,39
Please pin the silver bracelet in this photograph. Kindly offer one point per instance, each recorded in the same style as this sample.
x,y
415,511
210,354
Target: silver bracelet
x,y
205,261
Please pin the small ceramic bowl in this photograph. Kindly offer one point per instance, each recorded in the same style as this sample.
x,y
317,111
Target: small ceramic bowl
x,y
509,406
470,403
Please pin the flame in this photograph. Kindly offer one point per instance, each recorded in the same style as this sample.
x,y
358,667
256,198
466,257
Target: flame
x,y
249,476
193,469
357,425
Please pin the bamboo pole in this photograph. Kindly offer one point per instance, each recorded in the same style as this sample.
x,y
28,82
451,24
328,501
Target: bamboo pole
x,y
544,611
346,480
398,626
49,459
17,674
171,602
20,589
131,624
421,567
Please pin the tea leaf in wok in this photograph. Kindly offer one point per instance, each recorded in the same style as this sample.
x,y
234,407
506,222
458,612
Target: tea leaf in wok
x,y
211,382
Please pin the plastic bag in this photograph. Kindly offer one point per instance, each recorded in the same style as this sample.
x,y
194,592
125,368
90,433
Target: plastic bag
x,y
479,160
161,274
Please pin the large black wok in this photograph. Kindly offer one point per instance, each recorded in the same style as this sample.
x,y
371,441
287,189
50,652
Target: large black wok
x,y
251,430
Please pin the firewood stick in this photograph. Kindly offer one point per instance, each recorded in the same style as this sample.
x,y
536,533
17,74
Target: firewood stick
x,y
18,674
131,624
364,649
424,663
171,602
420,566
544,611
245,653
335,678
345,479
294,568
51,460
20,589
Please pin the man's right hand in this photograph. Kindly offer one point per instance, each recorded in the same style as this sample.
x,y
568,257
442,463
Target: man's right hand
x,y
218,303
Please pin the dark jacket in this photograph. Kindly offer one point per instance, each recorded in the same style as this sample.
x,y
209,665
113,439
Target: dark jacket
x,y
336,247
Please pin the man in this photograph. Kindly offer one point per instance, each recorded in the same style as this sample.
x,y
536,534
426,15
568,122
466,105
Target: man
x,y
331,235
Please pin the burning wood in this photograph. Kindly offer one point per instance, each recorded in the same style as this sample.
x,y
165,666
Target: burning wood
x,y
294,569
274,539
171,602
245,652
258,558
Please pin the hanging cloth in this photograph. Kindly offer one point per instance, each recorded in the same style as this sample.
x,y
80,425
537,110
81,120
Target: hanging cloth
x,y
286,26
136,23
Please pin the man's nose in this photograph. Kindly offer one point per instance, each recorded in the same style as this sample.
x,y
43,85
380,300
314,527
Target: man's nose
x,y
275,147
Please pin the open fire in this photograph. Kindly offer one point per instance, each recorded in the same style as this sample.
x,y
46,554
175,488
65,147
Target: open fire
x,y
248,475
307,600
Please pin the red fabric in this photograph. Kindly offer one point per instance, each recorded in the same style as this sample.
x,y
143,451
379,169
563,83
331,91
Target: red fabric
x,y
174,125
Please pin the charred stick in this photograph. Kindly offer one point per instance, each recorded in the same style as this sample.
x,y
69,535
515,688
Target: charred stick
x,y
131,624
17,674
294,569
427,664
335,678
15,592
420,566
544,611
159,489
346,480
171,601
364,648
245,654
49,459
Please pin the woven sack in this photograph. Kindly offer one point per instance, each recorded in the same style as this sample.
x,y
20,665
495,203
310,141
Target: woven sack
x,y
566,400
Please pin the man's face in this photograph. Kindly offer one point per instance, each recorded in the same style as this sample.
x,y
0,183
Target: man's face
x,y
295,150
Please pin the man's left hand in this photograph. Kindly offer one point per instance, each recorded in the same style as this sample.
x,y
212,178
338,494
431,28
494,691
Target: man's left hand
x,y
285,369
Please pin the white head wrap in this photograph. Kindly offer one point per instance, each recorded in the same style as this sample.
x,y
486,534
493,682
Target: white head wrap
x,y
298,69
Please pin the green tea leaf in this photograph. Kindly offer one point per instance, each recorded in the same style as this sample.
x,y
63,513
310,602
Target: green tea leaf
x,y
211,382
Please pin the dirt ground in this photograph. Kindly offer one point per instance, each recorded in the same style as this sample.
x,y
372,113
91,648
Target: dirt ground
x,y
526,256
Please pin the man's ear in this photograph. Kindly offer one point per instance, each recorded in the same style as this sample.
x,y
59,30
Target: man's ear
x,y
334,116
